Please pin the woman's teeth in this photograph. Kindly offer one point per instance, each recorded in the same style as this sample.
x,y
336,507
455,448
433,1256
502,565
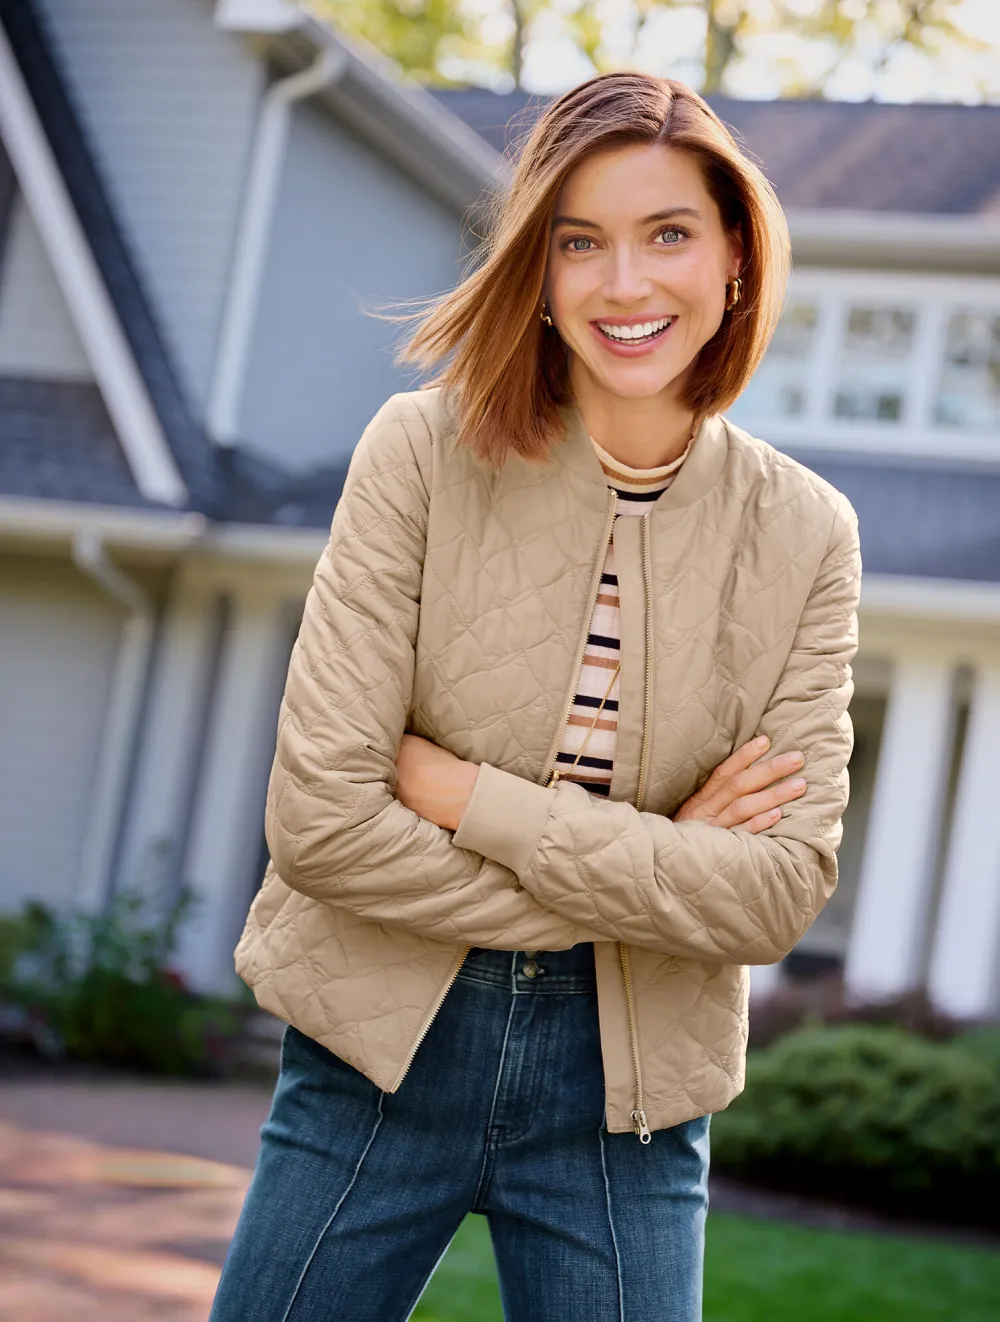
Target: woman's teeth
x,y
643,330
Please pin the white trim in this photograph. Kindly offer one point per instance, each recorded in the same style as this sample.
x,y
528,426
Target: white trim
x,y
132,412
948,599
121,720
257,15
834,234
239,316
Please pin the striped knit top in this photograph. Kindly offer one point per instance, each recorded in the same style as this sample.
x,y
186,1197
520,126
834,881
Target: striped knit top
x,y
635,491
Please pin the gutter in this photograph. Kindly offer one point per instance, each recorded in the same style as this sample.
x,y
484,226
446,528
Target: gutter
x,y
944,599
895,240
121,723
253,236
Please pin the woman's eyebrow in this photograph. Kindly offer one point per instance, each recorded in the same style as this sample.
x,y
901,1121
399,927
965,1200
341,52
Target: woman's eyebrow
x,y
669,214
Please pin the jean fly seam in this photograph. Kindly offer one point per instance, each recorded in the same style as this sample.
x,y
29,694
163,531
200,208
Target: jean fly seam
x,y
611,1222
329,1222
488,1147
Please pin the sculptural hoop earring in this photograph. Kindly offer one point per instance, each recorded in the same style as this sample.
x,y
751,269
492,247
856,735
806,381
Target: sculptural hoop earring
x,y
545,317
733,292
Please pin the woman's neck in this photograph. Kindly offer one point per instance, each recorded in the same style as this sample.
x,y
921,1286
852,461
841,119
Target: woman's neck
x,y
642,433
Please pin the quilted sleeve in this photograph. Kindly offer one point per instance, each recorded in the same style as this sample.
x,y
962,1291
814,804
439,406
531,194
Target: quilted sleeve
x,y
688,888
334,829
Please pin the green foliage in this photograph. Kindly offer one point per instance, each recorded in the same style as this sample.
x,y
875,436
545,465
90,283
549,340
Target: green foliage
x,y
98,987
872,1114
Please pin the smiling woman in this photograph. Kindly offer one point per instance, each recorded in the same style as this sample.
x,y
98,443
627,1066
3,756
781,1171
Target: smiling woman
x,y
630,204
534,808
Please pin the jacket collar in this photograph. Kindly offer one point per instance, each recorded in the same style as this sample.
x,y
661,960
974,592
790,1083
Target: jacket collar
x,y
696,476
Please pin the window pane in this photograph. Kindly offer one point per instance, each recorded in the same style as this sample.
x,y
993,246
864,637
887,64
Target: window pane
x,y
778,387
875,363
969,391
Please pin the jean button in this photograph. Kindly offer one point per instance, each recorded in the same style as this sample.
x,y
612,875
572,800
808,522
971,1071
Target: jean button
x,y
529,969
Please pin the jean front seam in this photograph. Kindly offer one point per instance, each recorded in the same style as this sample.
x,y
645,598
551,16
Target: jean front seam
x,y
488,1137
329,1222
611,1221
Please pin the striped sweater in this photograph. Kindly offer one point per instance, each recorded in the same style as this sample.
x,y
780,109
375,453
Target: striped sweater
x,y
635,490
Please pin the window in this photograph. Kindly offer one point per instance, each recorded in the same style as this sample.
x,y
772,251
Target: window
x,y
969,390
882,363
778,389
875,363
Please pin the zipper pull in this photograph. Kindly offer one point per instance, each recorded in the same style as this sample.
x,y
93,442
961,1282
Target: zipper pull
x,y
641,1127
552,779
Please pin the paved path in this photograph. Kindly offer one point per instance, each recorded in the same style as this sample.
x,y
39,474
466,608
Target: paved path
x,y
127,1217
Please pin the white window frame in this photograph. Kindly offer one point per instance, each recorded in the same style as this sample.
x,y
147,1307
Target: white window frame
x,y
934,297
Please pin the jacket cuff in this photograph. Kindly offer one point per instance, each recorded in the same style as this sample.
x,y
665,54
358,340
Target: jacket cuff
x,y
504,818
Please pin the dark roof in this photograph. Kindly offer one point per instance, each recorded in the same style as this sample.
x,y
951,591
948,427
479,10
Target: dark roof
x,y
255,491
857,155
58,443
920,519
191,448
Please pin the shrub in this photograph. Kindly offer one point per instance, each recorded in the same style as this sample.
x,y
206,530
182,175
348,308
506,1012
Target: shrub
x,y
871,1114
98,987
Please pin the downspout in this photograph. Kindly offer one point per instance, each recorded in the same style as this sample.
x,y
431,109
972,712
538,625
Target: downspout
x,y
121,722
252,238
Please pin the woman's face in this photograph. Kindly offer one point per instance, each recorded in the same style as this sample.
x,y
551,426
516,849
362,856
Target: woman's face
x,y
637,270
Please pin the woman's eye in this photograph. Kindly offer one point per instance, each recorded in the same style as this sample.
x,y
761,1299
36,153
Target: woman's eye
x,y
671,236
580,244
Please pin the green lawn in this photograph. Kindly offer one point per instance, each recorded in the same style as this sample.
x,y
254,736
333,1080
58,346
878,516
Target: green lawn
x,y
771,1271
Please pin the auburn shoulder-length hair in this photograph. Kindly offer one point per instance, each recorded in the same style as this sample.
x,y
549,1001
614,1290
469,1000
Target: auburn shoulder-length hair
x,y
508,375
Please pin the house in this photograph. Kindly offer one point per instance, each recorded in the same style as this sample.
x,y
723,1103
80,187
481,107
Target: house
x,y
196,205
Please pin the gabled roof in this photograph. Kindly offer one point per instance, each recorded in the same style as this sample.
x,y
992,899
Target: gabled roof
x,y
855,156
105,239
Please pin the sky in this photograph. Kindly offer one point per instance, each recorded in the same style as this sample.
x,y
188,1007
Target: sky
x,y
674,40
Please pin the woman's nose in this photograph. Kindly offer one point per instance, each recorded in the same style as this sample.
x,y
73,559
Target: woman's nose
x,y
626,281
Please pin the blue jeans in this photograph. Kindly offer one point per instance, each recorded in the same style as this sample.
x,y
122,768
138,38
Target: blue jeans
x,y
357,1193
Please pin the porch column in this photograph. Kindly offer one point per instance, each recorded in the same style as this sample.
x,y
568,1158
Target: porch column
x,y
964,974
227,824
156,824
897,870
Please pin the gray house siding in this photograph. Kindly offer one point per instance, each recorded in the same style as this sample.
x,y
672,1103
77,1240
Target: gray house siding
x,y
37,334
351,232
58,639
170,105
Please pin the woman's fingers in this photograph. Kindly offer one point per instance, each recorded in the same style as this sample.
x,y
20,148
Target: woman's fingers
x,y
723,788
749,806
762,821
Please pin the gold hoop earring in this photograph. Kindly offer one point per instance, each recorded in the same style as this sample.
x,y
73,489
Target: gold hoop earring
x,y
545,317
733,292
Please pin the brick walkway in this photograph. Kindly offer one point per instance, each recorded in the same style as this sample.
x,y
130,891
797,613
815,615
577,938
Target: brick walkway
x,y
101,1232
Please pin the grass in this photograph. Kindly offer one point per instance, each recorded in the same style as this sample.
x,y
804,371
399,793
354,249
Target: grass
x,y
772,1271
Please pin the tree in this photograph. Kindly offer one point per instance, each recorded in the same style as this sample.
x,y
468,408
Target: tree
x,y
427,37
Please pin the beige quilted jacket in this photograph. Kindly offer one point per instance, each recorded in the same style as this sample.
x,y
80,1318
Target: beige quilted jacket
x,y
453,601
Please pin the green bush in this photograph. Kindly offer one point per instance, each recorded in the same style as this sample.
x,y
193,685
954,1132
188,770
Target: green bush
x,y
872,1114
99,987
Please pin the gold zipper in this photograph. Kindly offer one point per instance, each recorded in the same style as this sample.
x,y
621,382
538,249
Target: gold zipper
x,y
647,574
432,1015
595,584
639,1113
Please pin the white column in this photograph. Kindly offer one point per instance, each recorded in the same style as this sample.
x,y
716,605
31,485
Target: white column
x,y
227,826
765,979
154,840
897,871
964,975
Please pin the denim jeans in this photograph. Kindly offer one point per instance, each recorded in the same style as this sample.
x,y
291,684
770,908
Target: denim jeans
x,y
357,1193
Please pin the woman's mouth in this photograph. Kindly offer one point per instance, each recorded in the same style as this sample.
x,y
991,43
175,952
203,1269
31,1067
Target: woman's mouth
x,y
633,336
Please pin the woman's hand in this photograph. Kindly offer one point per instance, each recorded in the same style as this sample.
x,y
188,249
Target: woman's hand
x,y
744,792
433,782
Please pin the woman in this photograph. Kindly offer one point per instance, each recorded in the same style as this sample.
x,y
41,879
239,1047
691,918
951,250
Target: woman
x,y
518,868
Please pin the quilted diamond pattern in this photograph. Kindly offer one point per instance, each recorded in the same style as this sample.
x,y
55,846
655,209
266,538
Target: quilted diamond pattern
x,y
450,601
